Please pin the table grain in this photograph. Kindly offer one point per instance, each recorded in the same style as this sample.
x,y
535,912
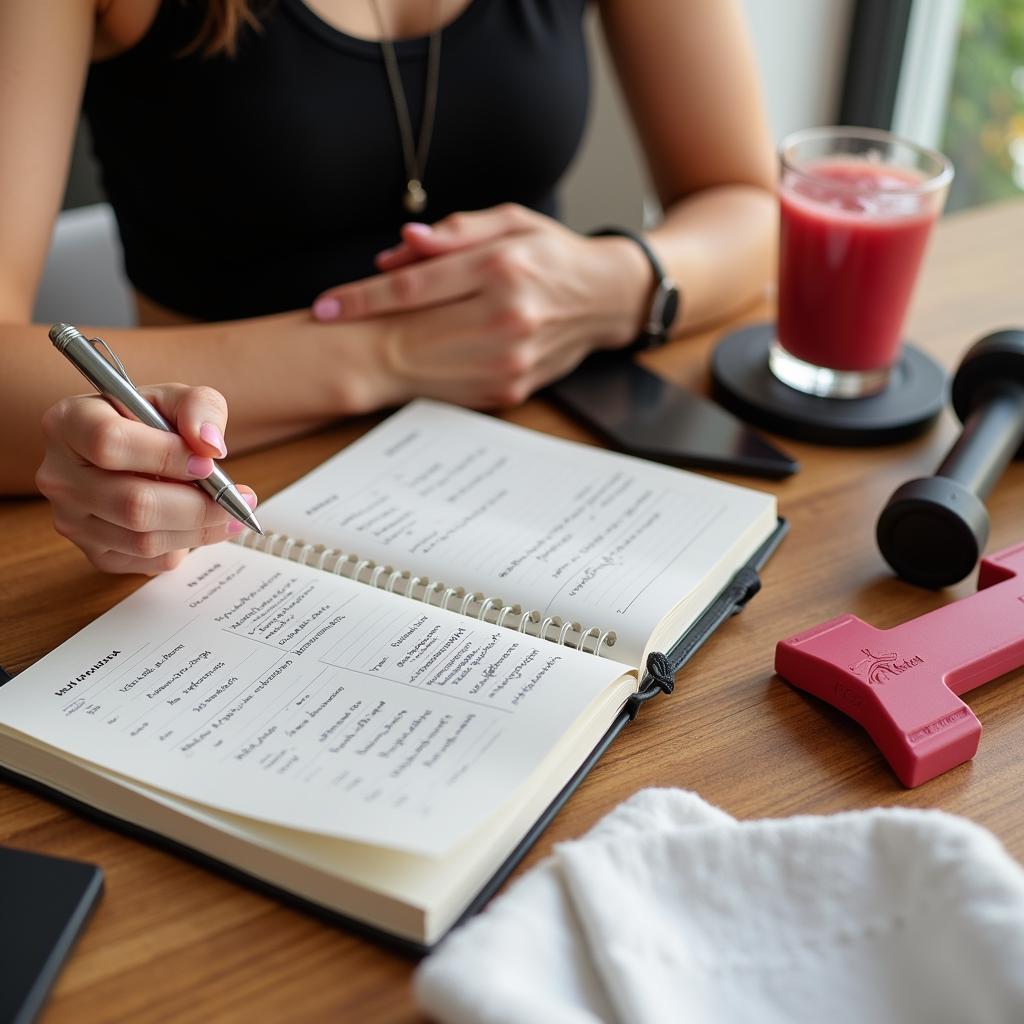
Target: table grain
x,y
171,941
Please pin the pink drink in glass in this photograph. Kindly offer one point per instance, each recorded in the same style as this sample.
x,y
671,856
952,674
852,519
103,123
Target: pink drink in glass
x,y
848,262
857,207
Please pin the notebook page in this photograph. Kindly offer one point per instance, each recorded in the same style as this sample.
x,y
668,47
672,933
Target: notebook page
x,y
567,529
282,693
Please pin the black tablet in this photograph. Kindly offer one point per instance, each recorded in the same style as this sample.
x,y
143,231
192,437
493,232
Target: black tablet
x,y
44,903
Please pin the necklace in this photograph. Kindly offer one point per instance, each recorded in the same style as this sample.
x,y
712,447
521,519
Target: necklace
x,y
414,155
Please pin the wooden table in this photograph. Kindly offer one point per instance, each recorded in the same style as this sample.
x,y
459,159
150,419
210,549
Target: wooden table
x,y
171,941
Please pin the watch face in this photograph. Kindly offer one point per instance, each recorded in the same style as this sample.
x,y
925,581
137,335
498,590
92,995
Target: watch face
x,y
664,309
670,307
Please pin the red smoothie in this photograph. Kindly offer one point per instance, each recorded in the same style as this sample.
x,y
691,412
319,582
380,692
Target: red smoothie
x,y
852,238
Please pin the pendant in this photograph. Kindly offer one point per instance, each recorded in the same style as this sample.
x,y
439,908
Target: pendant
x,y
415,198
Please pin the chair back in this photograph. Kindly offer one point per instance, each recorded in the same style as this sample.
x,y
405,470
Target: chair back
x,y
83,281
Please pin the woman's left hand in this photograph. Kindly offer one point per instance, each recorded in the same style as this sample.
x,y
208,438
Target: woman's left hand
x,y
480,273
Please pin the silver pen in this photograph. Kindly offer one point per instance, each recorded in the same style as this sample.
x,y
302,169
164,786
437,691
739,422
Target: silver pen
x,y
111,380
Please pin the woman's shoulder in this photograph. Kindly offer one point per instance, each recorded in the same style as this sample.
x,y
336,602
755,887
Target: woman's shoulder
x,y
121,25
127,27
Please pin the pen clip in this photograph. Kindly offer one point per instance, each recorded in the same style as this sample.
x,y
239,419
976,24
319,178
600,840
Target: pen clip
x,y
119,366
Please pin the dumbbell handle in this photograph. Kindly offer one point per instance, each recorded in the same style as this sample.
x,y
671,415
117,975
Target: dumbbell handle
x,y
991,435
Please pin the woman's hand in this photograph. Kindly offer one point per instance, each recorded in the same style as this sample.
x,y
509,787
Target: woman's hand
x,y
121,490
496,304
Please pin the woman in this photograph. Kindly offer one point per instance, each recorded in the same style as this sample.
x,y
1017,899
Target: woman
x,y
258,159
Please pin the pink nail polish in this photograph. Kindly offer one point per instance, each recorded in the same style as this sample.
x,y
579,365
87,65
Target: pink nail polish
x,y
250,499
235,528
213,437
327,309
198,466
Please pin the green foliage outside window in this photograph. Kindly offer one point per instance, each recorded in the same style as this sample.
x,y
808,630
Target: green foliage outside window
x,y
985,125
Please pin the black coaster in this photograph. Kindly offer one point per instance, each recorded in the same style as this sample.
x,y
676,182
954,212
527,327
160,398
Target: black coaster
x,y
743,384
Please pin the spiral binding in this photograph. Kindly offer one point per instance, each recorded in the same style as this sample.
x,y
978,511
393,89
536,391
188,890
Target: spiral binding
x,y
494,610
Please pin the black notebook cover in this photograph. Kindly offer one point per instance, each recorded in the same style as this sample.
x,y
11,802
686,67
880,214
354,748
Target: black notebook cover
x,y
730,600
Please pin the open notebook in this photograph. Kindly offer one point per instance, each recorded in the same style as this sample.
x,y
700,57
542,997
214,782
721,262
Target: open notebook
x,y
377,706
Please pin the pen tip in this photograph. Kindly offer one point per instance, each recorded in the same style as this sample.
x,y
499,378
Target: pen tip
x,y
232,501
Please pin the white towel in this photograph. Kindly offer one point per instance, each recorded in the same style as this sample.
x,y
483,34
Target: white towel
x,y
670,910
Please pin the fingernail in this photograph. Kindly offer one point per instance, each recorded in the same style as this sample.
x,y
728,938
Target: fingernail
x,y
213,437
327,309
199,466
235,528
250,499
417,228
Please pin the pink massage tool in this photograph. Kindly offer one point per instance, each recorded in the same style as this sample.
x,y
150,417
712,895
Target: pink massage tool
x,y
902,684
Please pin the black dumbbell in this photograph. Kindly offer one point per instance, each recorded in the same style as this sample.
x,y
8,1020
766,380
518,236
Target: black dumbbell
x,y
932,531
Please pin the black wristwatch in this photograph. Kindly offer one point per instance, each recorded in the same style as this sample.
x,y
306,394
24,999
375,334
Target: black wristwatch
x,y
665,300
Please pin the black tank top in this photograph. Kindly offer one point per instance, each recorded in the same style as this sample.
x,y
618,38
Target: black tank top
x,y
244,186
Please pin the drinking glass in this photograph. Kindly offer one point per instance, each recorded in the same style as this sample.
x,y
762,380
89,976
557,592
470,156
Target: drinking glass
x,y
857,207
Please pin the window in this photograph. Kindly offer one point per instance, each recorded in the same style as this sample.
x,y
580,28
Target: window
x,y
948,74
984,129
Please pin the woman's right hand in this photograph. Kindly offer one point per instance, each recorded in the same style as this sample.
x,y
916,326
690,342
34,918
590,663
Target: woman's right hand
x,y
123,491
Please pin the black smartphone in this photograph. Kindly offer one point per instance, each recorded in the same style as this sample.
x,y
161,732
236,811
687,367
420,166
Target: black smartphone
x,y
44,904
642,414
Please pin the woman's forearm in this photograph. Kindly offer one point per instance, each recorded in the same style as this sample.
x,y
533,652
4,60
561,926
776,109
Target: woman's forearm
x,y
281,375
720,246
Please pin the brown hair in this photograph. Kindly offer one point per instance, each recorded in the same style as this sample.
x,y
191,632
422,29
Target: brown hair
x,y
222,24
